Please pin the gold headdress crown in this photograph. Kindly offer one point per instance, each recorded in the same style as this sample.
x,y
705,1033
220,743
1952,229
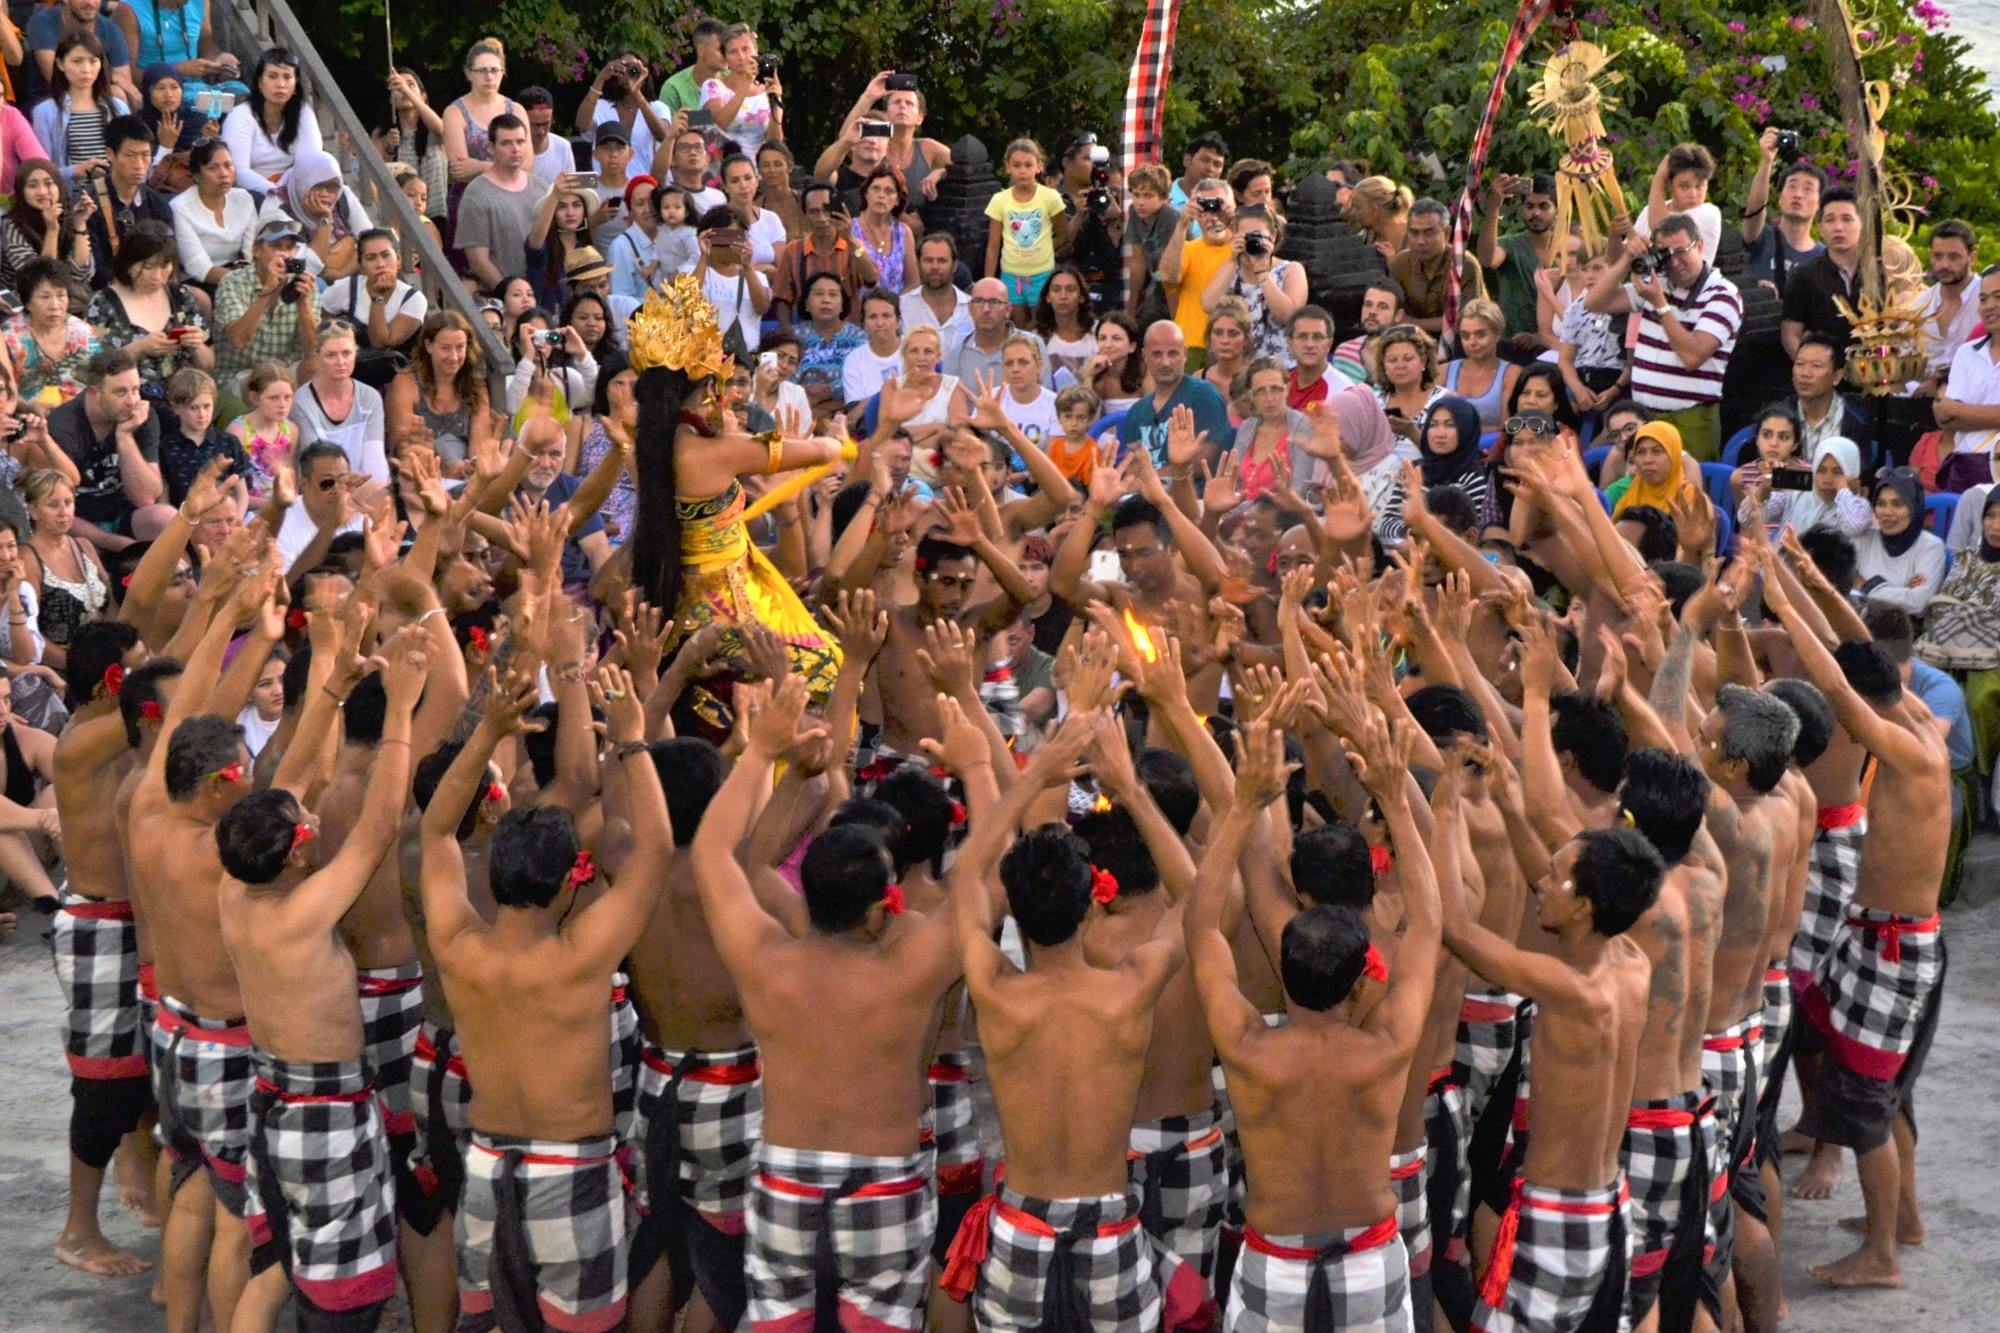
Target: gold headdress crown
x,y
675,329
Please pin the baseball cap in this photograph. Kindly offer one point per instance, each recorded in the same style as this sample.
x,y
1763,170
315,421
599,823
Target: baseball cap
x,y
610,131
279,229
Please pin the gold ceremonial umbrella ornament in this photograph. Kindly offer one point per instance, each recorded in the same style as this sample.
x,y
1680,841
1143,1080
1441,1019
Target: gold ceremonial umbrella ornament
x,y
1570,103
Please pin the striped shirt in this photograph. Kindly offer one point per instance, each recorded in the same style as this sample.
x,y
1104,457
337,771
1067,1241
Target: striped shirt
x,y
1659,380
85,137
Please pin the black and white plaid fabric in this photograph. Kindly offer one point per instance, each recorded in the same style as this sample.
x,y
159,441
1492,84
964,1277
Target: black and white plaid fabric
x,y
97,965
1833,867
1413,1214
392,1012
954,1125
1176,1166
542,1225
716,1118
210,1084
1447,1173
1777,1017
1486,1038
626,1044
1091,1257
319,1180
1662,1138
1729,1071
1872,988
1363,1276
441,1101
1568,1255
835,1236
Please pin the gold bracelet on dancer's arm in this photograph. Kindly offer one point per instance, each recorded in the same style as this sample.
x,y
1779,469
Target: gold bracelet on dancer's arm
x,y
774,449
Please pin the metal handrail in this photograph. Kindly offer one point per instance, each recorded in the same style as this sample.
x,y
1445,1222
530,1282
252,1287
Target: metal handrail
x,y
262,24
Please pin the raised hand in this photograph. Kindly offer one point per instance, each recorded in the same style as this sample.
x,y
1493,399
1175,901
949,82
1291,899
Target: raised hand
x,y
1380,756
1093,661
858,623
1694,520
1111,757
205,491
1613,668
1221,490
510,698
1539,658
773,726
964,745
614,694
960,518
405,660
641,633
1183,444
987,411
1108,480
1058,759
946,657
1261,770
764,654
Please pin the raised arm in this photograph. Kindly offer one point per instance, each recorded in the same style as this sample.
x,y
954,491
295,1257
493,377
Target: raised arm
x,y
1382,759
609,927
1541,772
448,912
1231,1017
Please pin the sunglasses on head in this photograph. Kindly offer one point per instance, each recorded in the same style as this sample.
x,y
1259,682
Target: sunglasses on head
x,y
1536,423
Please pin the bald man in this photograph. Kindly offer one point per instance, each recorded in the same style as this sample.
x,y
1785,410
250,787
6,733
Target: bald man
x,y
979,354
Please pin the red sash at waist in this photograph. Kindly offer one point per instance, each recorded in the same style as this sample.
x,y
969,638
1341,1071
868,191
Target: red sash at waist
x,y
1841,816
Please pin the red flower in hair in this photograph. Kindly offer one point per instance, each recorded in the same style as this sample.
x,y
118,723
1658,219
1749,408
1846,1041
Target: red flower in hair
x,y
940,772
1271,565
495,792
1103,886
150,710
229,773
998,674
937,458
584,871
125,582
920,563
1380,859
301,835
957,814
1372,965
877,769
114,679
478,638
296,619
892,900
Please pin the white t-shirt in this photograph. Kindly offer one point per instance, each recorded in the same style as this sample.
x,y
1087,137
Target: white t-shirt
x,y
557,159
1944,343
1707,219
766,234
730,295
753,117
256,731
863,371
298,530
350,297
1974,381
1036,418
644,145
256,153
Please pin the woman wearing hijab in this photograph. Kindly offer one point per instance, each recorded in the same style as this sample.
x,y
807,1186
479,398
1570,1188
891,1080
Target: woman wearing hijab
x,y
1830,502
1657,477
163,106
316,200
1351,421
1448,442
1897,563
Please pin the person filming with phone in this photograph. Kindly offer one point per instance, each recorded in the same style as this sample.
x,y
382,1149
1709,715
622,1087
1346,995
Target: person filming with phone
x,y
730,282
827,247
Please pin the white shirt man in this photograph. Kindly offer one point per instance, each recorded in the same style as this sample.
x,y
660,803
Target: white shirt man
x,y
935,302
1951,303
1969,407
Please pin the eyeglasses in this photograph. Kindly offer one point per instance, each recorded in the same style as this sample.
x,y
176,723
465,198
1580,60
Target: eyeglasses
x,y
988,300
1623,434
493,70
1534,422
1671,251
334,325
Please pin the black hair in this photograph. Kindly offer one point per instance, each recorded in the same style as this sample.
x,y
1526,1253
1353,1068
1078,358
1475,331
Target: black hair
x,y
1667,795
885,819
1760,730
1332,864
1137,511
1815,715
298,673
430,771
1116,846
1658,538
1321,954
611,363
1680,580
1871,670
141,687
933,551
845,872
1210,140
366,709
923,814
288,119
534,850
1565,411
656,520
1444,711
200,745
94,646
254,838
691,772
1047,877
1453,508
204,152
1837,194
1833,552
1833,349
540,744
1890,626
1591,732
847,502
1618,873
121,130
1170,781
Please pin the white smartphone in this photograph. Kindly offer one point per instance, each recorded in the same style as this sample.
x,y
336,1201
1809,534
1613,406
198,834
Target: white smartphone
x,y
1104,567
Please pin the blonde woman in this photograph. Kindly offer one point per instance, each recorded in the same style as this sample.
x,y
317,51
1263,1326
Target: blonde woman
x,y
69,581
1380,209
1479,375
1229,327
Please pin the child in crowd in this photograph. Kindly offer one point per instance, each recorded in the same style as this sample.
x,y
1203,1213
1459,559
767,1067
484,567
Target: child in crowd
x,y
266,431
1072,450
1680,185
1028,221
1588,348
189,437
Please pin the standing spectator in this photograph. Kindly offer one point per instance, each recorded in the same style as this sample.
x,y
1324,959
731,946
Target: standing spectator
x,y
732,284
1896,562
764,229
46,343
1025,223
254,320
266,133
1254,182
1380,210
178,34
130,142
774,188
1193,255
440,401
1688,318
335,406
551,153
881,354
1065,320
883,235
1096,238
1680,188
1824,412
1145,422
1149,225
633,253
1202,160
414,135
1969,407
110,433
686,169
681,91
618,95
1772,252
1589,351
65,574
561,224
1423,268
1511,261
1270,288
748,107
937,301
79,18
978,354
143,310
1833,275
468,126
386,311
1950,308
46,222
316,201
826,248
72,123
1381,306
1478,375
215,223
497,209
850,157
1309,337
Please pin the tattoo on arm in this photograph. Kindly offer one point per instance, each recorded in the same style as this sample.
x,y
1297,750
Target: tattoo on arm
x,y
1745,899
1670,685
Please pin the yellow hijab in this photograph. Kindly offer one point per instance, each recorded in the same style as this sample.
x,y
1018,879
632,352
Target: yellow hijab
x,y
1661,497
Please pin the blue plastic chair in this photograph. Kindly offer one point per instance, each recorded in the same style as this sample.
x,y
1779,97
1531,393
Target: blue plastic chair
x,y
1109,421
1732,451
1725,532
1593,460
1939,510
1715,480
1604,500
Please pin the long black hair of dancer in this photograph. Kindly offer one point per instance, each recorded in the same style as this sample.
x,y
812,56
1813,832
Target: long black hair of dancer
x,y
656,533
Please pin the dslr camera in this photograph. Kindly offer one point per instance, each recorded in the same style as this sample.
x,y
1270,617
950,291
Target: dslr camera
x,y
1256,243
288,293
766,67
1649,263
1789,145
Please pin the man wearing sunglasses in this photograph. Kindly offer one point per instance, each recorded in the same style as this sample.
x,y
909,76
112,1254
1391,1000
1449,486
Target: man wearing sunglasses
x,y
326,506
1688,318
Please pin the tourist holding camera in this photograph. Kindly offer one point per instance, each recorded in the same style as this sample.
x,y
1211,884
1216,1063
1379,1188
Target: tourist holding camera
x,y
1096,239
1271,287
267,309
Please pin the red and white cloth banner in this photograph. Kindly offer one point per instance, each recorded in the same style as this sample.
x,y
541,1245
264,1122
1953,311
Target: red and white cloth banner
x,y
1146,93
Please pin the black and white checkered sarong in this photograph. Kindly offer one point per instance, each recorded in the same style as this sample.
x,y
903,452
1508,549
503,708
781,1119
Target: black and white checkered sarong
x,y
1568,1261
1090,1257
97,965
1353,1279
877,1216
541,1226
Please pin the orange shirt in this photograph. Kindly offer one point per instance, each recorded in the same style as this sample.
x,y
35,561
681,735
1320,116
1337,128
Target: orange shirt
x,y
1075,461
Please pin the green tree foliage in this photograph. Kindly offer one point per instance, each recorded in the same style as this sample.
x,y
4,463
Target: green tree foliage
x,y
1396,84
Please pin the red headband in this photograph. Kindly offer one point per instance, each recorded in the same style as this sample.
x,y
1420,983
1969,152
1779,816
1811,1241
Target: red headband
x,y
301,835
1380,859
1373,967
892,900
584,871
114,678
1103,886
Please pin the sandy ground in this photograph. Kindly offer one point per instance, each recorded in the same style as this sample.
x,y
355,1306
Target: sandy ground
x,y
1947,1281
